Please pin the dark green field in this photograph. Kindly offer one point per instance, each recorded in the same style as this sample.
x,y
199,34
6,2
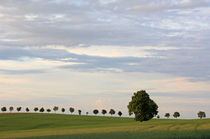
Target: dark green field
x,y
53,126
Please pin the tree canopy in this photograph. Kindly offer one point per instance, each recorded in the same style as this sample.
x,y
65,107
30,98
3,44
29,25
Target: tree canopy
x,y
176,114
142,106
112,111
120,113
95,111
167,115
201,114
71,109
103,112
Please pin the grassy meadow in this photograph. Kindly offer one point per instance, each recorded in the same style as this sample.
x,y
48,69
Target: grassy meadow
x,y
60,126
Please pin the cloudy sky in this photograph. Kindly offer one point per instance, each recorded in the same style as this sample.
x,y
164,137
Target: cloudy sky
x,y
95,53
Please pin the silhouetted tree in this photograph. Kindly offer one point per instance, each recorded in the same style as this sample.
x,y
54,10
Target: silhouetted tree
x,y
201,114
19,109
63,110
55,108
112,111
120,113
79,111
41,110
95,111
176,114
11,108
48,110
158,117
142,106
36,109
86,113
71,110
103,112
27,109
167,115
3,109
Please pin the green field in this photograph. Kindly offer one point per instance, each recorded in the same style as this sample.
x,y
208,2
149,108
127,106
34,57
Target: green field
x,y
54,126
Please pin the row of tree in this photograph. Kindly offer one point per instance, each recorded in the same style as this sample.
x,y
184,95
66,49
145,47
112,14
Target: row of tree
x,y
145,108
56,108
200,114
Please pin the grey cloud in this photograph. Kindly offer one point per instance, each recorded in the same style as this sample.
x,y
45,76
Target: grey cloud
x,y
122,23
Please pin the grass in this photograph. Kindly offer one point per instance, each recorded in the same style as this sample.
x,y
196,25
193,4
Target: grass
x,y
56,126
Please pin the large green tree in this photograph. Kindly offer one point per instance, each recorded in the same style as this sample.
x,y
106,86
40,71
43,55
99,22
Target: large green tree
x,y
142,106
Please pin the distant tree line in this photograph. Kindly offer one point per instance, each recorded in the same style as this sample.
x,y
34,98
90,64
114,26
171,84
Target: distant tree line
x,y
56,108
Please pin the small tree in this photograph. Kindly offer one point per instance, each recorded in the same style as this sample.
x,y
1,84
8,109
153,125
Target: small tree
x,y
11,108
36,109
176,114
41,110
19,109
63,110
95,111
3,109
158,117
55,108
27,109
79,111
167,115
86,113
201,114
48,110
120,113
103,112
71,110
142,106
112,111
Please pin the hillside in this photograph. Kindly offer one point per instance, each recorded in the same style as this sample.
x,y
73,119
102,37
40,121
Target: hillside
x,y
29,125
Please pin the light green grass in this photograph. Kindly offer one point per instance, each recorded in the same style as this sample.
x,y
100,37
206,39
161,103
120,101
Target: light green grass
x,y
73,126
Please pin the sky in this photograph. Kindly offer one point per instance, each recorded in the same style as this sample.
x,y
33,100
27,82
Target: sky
x,y
94,54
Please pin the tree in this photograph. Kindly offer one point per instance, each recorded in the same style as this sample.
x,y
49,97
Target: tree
x,y
55,108
3,109
63,110
167,115
27,109
41,110
19,109
71,110
103,112
176,114
158,117
112,111
11,108
36,109
79,111
201,114
86,113
142,106
95,111
48,110
120,113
